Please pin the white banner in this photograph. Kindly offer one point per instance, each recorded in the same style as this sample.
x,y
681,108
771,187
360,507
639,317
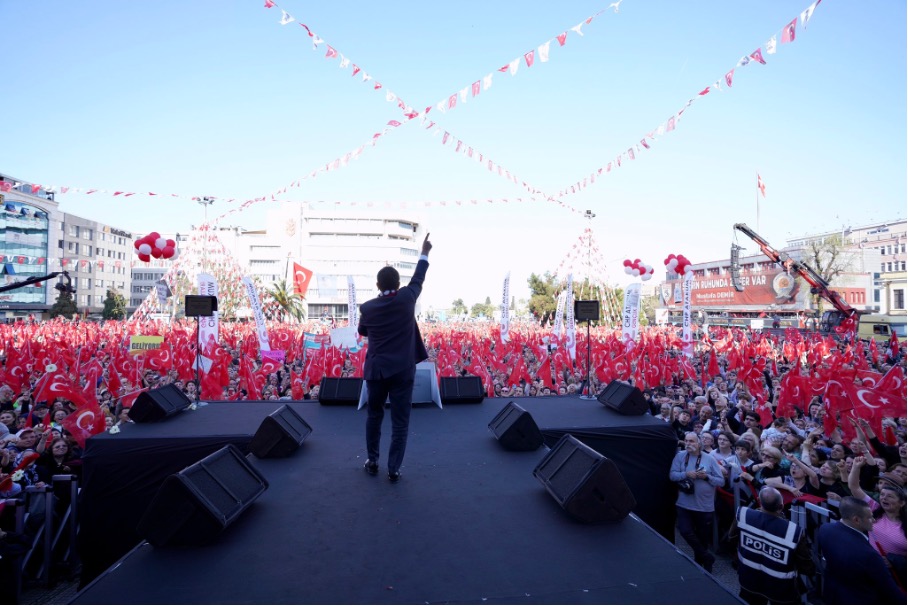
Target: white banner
x,y
571,341
559,316
352,311
505,307
687,342
256,306
208,327
630,318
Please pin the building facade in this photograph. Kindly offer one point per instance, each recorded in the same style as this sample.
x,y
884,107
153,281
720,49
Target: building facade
x,y
29,230
873,281
333,244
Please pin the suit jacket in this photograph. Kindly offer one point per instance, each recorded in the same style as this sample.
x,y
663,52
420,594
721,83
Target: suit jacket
x,y
855,572
390,324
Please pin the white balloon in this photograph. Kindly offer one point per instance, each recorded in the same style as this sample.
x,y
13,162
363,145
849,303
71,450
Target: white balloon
x,y
646,277
628,270
145,249
176,253
160,243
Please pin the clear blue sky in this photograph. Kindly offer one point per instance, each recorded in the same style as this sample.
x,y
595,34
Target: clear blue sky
x,y
217,98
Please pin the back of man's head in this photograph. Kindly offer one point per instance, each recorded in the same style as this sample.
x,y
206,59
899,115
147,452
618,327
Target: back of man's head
x,y
388,279
849,507
770,500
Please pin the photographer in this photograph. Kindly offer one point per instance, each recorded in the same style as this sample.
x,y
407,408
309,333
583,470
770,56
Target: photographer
x,y
697,476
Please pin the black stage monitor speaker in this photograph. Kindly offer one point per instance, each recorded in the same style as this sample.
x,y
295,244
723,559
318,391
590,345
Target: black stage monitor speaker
x,y
624,399
157,404
198,306
280,434
462,390
586,484
194,506
339,391
515,429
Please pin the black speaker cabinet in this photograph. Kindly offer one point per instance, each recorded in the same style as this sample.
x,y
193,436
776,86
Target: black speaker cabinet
x,y
194,506
462,390
515,429
280,434
586,484
157,404
624,398
343,391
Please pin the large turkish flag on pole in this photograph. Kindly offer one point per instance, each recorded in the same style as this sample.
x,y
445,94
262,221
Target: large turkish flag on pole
x,y
301,278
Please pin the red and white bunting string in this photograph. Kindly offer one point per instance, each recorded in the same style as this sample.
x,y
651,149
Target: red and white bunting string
x,y
787,36
467,151
541,52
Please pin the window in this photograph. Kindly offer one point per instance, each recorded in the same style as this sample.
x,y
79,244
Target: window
x,y
876,296
409,252
72,247
87,249
882,267
59,243
889,266
88,283
74,231
881,329
903,266
86,234
898,298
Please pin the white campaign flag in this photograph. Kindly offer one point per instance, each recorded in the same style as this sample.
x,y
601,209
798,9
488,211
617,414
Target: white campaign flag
x,y
208,327
352,311
255,305
631,314
571,341
558,327
505,311
687,342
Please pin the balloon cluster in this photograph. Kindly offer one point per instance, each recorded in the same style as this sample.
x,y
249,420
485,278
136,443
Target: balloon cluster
x,y
678,264
153,245
639,269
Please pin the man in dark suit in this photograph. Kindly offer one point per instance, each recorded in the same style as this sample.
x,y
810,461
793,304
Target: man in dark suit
x,y
395,348
855,572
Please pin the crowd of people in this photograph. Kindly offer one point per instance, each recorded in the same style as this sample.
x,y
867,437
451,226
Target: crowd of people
x,y
812,416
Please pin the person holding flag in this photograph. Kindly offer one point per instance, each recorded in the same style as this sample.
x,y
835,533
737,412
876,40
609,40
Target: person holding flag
x,y
395,348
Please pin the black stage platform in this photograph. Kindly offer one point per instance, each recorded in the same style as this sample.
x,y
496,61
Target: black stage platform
x,y
467,523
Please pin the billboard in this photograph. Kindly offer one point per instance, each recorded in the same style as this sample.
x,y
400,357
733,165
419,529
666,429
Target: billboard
x,y
761,289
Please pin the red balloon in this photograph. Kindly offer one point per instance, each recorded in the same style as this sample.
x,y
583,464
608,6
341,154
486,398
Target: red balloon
x,y
171,243
627,262
153,236
145,258
156,253
167,252
137,243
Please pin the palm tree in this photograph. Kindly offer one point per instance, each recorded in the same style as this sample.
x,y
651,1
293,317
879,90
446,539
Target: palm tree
x,y
289,303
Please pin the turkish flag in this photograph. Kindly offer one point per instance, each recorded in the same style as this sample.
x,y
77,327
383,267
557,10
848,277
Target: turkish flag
x,y
84,423
58,385
894,345
301,279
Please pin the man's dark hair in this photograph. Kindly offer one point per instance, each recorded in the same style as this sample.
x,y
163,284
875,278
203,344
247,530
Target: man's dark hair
x,y
744,444
752,414
388,278
850,507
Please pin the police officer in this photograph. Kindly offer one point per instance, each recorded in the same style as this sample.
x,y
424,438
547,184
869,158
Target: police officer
x,y
771,553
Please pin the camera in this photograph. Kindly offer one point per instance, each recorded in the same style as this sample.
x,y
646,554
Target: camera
x,y
686,485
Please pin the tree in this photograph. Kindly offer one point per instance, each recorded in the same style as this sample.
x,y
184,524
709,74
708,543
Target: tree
x,y
543,297
64,306
114,305
829,258
483,309
289,303
458,308
544,291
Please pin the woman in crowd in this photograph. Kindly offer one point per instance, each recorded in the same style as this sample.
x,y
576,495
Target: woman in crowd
x,y
888,535
57,460
801,479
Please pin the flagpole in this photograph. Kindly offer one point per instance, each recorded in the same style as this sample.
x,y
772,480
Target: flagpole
x,y
758,202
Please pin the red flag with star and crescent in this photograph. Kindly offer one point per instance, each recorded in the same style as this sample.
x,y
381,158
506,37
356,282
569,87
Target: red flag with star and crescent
x,y
301,279
84,423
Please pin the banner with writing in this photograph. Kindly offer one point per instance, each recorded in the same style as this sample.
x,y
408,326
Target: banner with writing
x,y
558,327
571,342
256,305
688,344
352,311
208,326
630,317
140,343
505,307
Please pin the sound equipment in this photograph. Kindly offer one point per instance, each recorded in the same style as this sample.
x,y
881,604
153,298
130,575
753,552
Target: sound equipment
x,y
515,429
194,506
586,311
198,306
735,267
624,398
157,404
344,391
280,434
462,390
422,385
585,484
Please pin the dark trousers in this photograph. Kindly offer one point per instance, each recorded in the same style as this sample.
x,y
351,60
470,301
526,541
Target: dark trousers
x,y
697,529
399,389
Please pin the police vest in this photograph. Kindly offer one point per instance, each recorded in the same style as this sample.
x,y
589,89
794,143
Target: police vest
x,y
766,553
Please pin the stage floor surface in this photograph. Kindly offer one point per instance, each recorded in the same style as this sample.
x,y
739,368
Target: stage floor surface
x,y
467,523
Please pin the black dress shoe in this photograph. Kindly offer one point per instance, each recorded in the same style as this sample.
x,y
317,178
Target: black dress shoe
x,y
394,476
371,467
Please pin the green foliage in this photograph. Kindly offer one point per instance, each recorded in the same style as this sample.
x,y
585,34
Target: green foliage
x,y
544,291
483,309
288,302
114,306
458,307
64,306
